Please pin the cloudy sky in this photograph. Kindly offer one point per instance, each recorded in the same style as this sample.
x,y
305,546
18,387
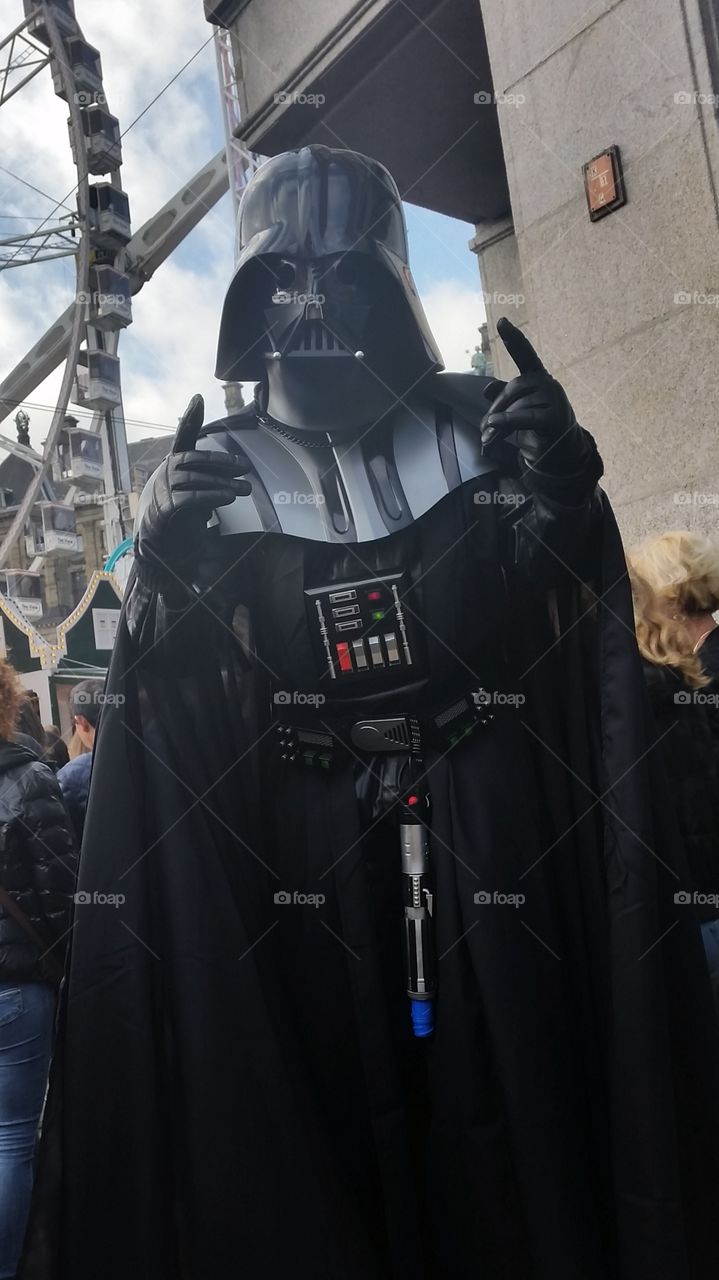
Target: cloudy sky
x,y
168,352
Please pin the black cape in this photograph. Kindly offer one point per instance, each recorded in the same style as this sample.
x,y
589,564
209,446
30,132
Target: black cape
x,y
237,1090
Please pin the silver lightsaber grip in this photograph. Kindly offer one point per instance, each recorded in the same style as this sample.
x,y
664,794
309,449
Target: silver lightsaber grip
x,y
419,957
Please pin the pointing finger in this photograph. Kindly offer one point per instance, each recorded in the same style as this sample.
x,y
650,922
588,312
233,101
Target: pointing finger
x,y
189,427
519,347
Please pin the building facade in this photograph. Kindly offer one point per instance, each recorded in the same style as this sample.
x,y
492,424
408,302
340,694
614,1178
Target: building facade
x,y
503,113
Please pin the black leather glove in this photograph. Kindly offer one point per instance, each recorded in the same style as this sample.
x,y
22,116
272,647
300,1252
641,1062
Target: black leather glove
x,y
177,503
534,409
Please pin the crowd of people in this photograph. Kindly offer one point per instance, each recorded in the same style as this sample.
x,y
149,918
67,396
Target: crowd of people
x,y
43,794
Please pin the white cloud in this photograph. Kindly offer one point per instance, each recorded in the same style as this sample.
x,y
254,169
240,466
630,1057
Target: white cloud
x,y
455,311
175,328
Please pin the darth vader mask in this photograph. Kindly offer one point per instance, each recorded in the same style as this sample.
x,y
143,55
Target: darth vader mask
x,y
322,308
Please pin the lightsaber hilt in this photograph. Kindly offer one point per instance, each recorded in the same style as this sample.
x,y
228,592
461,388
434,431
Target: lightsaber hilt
x,y
418,903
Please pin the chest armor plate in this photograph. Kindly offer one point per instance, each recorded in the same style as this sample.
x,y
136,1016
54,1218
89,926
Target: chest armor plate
x,y
351,490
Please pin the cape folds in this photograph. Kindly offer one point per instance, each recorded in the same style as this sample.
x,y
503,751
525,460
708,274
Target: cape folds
x,y
240,1089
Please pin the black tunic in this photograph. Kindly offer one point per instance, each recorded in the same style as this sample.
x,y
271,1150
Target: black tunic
x,y
242,1092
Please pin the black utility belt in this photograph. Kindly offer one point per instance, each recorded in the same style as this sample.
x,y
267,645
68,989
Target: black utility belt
x,y
316,740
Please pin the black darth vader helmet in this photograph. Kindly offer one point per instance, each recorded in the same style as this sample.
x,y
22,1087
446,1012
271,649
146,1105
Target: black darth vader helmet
x,y
323,276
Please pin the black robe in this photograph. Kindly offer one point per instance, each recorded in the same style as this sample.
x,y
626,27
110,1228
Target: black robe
x,y
238,1092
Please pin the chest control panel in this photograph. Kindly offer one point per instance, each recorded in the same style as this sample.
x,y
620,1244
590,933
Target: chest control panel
x,y
361,627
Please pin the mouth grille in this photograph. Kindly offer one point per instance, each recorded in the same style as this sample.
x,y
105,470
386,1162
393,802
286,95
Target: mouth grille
x,y
312,338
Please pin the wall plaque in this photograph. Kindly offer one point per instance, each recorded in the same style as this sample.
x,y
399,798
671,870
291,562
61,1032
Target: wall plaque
x,y
604,183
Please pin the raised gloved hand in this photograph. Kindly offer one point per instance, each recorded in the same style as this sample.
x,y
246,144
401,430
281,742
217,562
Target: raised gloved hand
x,y
179,499
535,409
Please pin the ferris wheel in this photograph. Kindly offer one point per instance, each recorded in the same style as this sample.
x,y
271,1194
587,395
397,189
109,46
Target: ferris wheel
x,y
111,265
86,335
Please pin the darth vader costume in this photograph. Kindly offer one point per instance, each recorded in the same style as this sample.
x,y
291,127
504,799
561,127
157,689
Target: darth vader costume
x,y
393,983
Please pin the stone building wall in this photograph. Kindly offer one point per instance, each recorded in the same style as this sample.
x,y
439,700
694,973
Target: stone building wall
x,y
624,309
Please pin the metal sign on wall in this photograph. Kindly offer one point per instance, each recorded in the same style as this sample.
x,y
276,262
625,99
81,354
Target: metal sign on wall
x,y
104,624
604,183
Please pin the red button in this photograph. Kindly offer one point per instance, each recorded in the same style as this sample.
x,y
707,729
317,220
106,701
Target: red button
x,y
374,595
344,657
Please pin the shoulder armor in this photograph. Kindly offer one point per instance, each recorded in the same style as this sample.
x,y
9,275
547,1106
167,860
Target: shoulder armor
x,y
465,392
466,396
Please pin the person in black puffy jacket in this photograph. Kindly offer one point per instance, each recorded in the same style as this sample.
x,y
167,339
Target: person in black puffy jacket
x,y
37,873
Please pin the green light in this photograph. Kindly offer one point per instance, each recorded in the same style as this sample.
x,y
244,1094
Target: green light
x,y
377,614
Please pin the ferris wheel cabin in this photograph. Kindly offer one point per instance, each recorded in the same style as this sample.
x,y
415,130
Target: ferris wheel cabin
x,y
81,455
101,134
63,11
109,216
24,589
85,67
51,530
97,385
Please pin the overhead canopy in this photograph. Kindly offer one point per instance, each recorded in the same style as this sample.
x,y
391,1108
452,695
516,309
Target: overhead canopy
x,y
410,87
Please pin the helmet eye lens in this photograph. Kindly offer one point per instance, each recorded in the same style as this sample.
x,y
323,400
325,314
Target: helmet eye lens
x,y
285,275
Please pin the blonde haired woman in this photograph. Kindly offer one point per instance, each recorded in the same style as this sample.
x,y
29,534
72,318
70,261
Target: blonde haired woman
x,y
682,571
37,879
685,711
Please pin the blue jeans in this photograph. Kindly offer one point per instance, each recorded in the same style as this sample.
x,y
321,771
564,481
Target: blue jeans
x,y
710,938
26,1022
